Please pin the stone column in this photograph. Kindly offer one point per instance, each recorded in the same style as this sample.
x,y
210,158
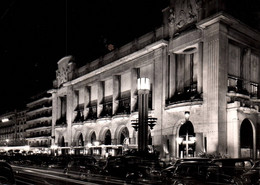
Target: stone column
x,y
116,91
100,96
86,100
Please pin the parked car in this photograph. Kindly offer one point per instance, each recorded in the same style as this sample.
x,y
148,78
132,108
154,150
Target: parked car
x,y
82,167
240,168
59,162
133,168
168,172
6,174
194,172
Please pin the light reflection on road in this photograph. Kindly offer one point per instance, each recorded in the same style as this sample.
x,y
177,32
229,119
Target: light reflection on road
x,y
32,176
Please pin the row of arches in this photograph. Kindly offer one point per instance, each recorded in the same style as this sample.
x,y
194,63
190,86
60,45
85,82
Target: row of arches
x,y
106,139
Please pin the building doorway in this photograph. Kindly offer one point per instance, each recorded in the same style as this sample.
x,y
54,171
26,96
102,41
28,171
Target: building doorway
x,y
62,144
186,140
80,145
246,139
107,138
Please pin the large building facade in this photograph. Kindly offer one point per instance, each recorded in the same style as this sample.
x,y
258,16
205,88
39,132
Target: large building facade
x,y
203,65
203,62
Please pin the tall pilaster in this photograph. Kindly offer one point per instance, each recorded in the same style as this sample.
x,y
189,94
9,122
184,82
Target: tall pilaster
x,y
100,97
215,86
69,114
116,90
133,88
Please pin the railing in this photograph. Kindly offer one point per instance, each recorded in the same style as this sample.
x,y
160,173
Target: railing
x,y
79,117
107,110
39,125
236,85
189,93
40,145
40,115
123,51
123,106
92,114
40,106
61,121
39,135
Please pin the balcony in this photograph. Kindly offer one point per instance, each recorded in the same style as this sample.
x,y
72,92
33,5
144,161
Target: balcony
x,y
107,110
62,121
79,117
45,105
188,94
40,115
40,145
39,125
92,113
45,135
123,106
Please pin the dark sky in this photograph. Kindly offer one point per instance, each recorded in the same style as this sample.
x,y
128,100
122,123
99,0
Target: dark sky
x,y
36,34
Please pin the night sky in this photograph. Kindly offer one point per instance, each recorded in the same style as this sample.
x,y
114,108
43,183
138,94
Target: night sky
x,y
36,34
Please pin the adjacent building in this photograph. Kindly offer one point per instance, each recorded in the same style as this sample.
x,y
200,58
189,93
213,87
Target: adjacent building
x,y
39,122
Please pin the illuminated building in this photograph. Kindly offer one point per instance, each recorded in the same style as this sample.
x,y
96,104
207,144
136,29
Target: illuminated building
x,y
38,122
202,63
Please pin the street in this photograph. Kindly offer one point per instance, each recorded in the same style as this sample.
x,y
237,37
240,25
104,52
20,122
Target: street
x,y
32,176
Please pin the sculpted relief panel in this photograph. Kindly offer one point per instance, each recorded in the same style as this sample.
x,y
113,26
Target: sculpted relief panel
x,y
183,14
62,75
65,69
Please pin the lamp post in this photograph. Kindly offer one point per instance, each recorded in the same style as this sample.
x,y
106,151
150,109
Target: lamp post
x,y
7,142
141,124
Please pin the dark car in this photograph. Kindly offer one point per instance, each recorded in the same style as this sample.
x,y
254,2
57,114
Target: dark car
x,y
256,168
82,167
132,168
6,174
168,172
193,172
59,162
116,166
240,168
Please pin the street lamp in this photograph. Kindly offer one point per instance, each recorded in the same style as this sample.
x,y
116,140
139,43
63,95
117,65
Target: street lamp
x,y
7,141
141,124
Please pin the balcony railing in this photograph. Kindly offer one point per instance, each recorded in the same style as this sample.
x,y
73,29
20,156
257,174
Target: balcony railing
x,y
40,145
39,135
107,110
39,125
79,117
92,113
189,93
40,115
236,85
49,104
123,106
61,121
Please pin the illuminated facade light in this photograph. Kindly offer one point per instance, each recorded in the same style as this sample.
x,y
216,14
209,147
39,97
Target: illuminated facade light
x,y
5,120
187,115
143,84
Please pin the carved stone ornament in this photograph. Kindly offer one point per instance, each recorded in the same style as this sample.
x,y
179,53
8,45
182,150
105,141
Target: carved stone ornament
x,y
183,13
62,74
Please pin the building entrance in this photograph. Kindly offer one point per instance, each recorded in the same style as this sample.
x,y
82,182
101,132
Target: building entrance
x,y
186,140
